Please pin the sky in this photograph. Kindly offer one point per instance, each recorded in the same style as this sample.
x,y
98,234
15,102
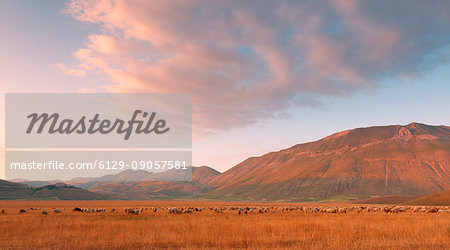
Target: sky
x,y
263,77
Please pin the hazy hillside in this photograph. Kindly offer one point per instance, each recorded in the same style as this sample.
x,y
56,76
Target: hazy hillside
x,y
14,191
58,191
130,176
201,176
36,183
126,175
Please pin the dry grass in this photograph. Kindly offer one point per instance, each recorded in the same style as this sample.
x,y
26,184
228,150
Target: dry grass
x,y
207,229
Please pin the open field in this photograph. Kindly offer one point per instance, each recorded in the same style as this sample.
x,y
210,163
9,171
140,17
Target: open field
x,y
219,225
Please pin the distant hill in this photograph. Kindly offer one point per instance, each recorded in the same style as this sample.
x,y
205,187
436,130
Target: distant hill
x,y
129,175
161,189
388,199
61,191
437,199
126,175
36,183
58,191
14,191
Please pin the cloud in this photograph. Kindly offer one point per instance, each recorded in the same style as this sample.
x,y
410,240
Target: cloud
x,y
72,72
245,62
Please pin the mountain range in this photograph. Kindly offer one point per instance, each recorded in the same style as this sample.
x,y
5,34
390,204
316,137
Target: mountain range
x,y
410,160
57,191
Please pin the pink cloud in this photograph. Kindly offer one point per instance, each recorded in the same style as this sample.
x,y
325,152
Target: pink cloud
x,y
73,72
245,62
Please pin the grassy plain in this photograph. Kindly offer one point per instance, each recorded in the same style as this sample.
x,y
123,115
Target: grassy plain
x,y
207,229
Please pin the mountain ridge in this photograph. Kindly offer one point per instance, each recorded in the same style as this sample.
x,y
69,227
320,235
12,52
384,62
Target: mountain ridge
x,y
332,165
57,191
377,161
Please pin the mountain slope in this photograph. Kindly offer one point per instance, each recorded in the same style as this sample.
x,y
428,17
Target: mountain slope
x,y
14,191
126,175
390,160
61,191
437,199
387,199
58,191
142,190
36,183
129,175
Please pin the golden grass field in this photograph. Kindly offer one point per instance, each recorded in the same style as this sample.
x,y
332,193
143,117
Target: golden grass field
x,y
207,229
